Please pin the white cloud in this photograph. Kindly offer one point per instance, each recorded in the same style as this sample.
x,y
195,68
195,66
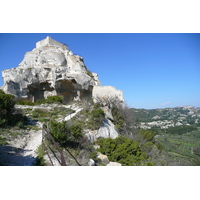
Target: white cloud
x,y
166,103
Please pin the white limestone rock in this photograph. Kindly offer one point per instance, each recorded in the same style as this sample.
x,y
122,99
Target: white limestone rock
x,y
103,158
107,130
114,164
107,94
91,162
50,69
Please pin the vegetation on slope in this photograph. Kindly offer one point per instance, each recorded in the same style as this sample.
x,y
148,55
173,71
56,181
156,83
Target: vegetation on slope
x,y
9,116
48,100
123,150
179,144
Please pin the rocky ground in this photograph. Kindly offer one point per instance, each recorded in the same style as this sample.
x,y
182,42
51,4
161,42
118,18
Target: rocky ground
x,y
21,151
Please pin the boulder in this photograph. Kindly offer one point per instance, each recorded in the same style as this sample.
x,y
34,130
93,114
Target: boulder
x,y
91,162
103,158
106,130
114,164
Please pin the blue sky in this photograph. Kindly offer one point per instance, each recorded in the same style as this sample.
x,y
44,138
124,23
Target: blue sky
x,y
154,70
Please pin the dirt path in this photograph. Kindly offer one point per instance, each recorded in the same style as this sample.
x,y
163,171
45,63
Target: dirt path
x,y
21,151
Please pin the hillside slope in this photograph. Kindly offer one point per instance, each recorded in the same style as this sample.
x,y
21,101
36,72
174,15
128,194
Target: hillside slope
x,y
176,129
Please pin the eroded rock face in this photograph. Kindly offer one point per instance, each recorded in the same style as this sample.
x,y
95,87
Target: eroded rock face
x,y
107,95
107,130
50,69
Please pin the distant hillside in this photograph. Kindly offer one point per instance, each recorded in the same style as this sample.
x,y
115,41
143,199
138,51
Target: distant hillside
x,y
177,130
164,118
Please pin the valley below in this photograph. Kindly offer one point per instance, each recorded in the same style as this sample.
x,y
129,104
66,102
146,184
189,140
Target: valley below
x,y
176,129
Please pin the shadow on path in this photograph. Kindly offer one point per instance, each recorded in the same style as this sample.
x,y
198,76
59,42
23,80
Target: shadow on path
x,y
12,156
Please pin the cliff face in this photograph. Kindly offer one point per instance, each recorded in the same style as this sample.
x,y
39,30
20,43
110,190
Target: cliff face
x,y
51,69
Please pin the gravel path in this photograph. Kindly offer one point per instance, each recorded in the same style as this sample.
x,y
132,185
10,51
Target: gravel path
x,y
21,151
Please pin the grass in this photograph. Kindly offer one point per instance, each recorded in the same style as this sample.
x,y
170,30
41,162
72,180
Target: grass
x,y
90,118
3,141
16,134
44,115
40,161
181,147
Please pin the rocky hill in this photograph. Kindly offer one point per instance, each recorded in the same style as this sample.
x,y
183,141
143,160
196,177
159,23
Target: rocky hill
x,y
52,87
167,117
54,111
52,69
177,130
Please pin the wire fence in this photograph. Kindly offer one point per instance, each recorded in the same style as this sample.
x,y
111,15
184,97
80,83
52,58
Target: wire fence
x,y
47,135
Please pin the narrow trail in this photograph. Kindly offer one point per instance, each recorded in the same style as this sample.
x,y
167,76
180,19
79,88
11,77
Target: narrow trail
x,y
21,151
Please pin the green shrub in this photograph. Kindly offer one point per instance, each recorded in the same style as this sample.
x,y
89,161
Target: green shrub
x,y
119,120
55,99
122,150
24,102
97,117
38,113
3,141
66,135
9,116
62,111
6,102
50,100
90,118
40,161
76,131
93,155
148,135
6,107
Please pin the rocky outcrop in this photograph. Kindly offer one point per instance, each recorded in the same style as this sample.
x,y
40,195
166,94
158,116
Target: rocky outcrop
x,y
50,69
106,130
107,95
103,158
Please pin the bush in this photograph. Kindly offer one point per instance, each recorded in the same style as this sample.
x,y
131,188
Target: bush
x,y
24,102
118,118
122,150
9,116
148,135
50,100
40,161
97,116
38,113
91,118
76,131
59,131
3,141
7,104
65,135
